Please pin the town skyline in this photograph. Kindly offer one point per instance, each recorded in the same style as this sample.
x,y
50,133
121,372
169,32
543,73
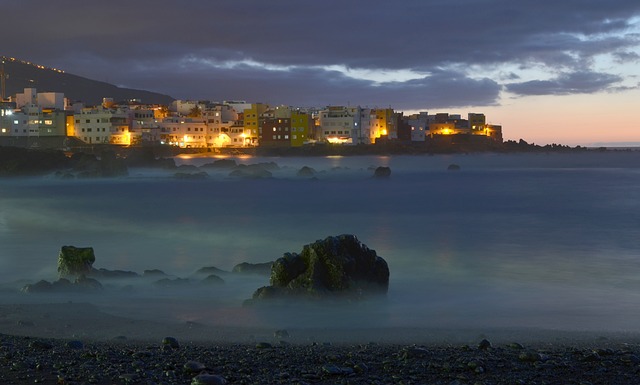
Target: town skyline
x,y
552,73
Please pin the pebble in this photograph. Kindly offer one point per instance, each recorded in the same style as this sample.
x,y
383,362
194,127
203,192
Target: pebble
x,y
51,361
170,342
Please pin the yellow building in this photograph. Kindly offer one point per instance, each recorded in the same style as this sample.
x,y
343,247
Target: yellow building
x,y
382,124
301,126
477,123
253,122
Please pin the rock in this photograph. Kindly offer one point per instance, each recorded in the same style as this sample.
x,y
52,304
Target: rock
x,y
194,367
63,285
253,268
279,334
75,261
264,345
306,172
413,352
212,280
529,356
453,167
75,345
208,379
154,273
484,344
170,342
253,171
41,286
382,172
84,283
208,270
336,267
221,163
187,168
189,175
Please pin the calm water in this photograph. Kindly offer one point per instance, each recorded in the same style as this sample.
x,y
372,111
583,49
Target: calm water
x,y
547,241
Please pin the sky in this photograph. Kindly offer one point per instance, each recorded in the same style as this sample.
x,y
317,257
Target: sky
x,y
548,71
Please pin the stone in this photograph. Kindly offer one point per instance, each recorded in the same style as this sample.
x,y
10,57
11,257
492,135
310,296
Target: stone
x,y
212,280
84,283
208,379
191,175
252,171
155,273
75,261
41,286
253,268
382,172
170,342
484,344
194,367
306,171
220,163
335,267
208,270
282,333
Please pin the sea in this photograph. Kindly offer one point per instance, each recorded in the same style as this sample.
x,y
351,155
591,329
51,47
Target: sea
x,y
544,240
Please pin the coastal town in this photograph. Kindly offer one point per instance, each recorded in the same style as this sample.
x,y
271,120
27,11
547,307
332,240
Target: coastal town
x,y
32,117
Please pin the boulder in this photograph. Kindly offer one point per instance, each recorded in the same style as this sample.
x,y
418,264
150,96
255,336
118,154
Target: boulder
x,y
252,171
253,268
212,280
221,164
206,271
306,171
335,267
75,261
382,172
82,284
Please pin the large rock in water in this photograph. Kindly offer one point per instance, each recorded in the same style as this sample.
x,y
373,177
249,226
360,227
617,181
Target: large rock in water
x,y
75,261
335,267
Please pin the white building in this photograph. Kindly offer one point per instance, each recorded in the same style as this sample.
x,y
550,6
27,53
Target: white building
x,y
339,124
30,96
419,126
221,120
183,132
103,125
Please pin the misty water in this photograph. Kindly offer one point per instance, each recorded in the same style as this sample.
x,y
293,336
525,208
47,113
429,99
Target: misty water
x,y
548,241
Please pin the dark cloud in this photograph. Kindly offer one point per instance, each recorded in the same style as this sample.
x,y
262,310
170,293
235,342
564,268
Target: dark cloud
x,y
178,47
572,83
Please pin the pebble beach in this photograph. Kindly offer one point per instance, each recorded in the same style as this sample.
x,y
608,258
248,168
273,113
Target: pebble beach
x,y
66,344
25,360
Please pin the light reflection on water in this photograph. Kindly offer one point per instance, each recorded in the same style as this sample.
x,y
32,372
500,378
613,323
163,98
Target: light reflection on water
x,y
508,240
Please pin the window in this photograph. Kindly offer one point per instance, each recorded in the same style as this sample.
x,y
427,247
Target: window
x,y
88,121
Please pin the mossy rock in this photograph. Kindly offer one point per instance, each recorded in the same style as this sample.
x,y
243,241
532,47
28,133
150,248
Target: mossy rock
x,y
75,261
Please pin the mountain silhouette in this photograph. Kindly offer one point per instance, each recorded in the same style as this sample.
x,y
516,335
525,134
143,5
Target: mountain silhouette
x,y
22,74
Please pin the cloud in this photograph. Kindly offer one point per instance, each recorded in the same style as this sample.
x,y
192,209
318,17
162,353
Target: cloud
x,y
413,53
564,84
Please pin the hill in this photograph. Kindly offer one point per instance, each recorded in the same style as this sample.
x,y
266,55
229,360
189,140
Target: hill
x,y
29,75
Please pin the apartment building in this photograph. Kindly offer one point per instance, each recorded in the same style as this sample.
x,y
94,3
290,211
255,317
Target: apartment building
x,y
104,126
183,132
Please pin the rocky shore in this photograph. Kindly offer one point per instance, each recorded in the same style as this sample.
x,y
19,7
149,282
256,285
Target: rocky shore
x,y
27,360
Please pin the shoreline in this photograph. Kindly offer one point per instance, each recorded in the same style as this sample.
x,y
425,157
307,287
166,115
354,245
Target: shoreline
x,y
284,357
